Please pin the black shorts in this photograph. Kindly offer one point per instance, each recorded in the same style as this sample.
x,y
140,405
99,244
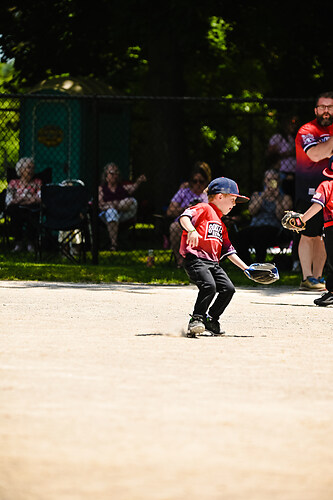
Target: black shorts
x,y
315,225
328,240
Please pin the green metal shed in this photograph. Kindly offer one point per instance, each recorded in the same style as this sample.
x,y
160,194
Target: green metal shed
x,y
60,129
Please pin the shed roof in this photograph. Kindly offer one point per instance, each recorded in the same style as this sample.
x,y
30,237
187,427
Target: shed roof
x,y
74,86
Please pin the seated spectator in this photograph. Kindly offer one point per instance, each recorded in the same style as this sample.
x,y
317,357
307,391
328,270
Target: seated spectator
x,y
266,209
23,199
281,146
115,201
188,194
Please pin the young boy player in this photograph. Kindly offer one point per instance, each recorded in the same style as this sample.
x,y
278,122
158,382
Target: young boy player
x,y
204,242
323,200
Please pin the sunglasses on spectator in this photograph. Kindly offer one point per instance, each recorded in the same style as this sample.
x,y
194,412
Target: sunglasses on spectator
x,y
198,181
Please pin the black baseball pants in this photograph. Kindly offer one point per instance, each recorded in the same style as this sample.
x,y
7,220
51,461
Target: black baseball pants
x,y
210,278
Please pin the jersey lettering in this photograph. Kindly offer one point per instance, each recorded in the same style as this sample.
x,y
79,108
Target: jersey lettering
x,y
308,139
214,230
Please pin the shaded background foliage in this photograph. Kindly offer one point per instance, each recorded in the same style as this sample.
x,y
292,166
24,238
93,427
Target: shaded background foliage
x,y
245,50
177,48
289,42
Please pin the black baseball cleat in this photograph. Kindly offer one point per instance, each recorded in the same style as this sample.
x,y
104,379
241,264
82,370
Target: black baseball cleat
x,y
213,326
196,325
325,300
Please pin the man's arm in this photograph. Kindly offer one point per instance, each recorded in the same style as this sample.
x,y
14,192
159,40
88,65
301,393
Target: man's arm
x,y
321,151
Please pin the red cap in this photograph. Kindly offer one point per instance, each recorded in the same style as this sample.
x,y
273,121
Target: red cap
x,y
328,172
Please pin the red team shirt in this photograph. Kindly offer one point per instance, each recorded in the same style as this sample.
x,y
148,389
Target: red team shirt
x,y
324,196
214,241
308,173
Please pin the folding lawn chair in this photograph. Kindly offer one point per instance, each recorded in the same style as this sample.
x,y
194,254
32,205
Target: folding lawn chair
x,y
64,219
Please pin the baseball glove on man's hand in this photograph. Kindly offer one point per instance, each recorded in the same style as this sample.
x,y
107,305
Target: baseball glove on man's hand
x,y
265,273
293,221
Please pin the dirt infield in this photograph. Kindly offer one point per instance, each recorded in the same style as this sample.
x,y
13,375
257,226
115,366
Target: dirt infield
x,y
102,398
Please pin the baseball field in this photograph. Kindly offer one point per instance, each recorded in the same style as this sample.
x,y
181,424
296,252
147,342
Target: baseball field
x,y
103,398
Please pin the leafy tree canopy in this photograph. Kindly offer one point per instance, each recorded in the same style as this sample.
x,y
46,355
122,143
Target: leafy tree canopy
x,y
179,47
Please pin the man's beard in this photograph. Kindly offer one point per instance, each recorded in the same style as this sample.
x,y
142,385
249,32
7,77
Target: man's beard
x,y
325,122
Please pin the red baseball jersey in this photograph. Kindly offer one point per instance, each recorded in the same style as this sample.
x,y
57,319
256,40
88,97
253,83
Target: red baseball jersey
x,y
308,173
214,242
324,196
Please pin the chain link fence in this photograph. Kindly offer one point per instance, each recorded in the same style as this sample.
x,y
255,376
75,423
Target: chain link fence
x,y
142,161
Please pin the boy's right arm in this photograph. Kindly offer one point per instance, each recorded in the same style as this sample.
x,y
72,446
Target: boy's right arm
x,y
192,234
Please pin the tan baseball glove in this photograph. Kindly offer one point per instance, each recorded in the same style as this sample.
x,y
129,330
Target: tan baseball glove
x,y
293,221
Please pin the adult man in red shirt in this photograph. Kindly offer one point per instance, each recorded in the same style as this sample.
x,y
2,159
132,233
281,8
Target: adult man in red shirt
x,y
314,147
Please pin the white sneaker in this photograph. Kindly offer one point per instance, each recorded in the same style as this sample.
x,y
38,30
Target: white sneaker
x,y
196,325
